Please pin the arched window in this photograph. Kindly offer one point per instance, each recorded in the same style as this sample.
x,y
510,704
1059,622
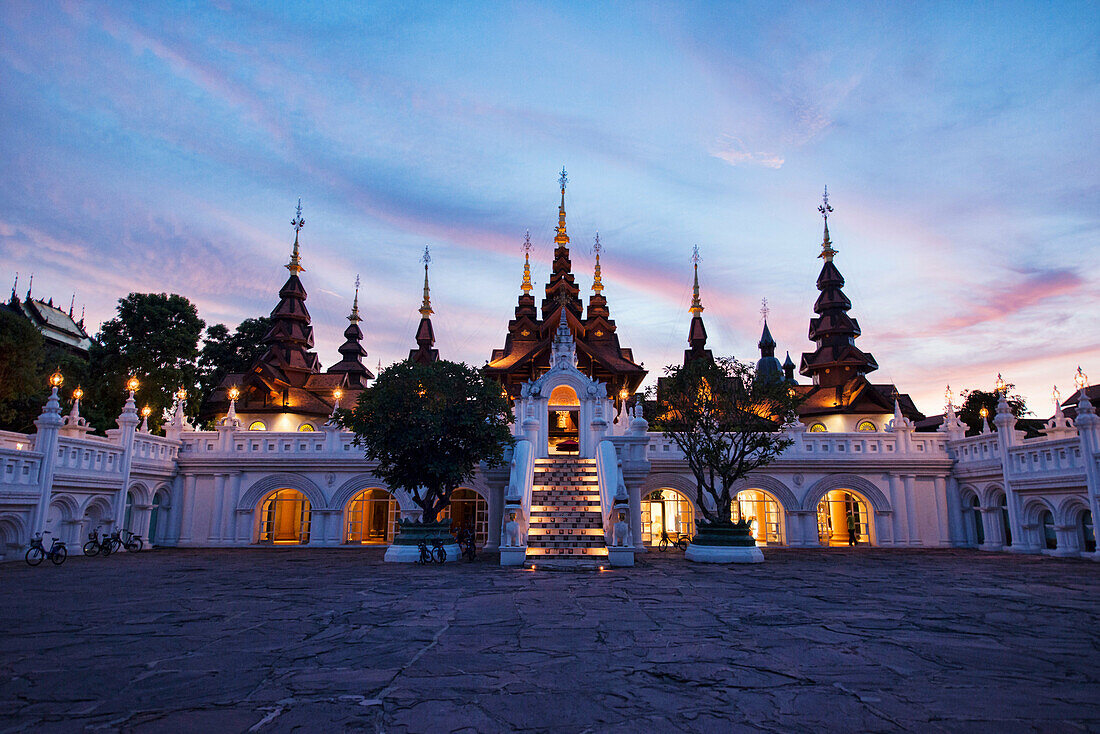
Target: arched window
x,y
371,518
666,510
1087,531
764,513
1006,525
1050,537
128,515
866,427
156,518
305,428
564,396
284,518
468,509
257,426
843,519
818,428
976,518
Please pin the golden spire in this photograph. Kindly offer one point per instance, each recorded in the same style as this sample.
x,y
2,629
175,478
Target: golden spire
x,y
295,264
355,304
696,304
426,306
597,284
526,286
562,239
827,250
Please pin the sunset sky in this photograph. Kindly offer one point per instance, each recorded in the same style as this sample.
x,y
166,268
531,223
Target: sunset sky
x,y
163,147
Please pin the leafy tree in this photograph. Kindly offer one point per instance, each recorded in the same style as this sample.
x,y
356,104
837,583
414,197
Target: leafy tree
x,y
22,383
429,426
726,422
224,352
155,337
975,400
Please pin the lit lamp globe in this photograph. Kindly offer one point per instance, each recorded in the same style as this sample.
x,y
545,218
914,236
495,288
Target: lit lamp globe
x,y
78,393
999,385
984,412
132,384
234,393
181,395
1081,379
56,379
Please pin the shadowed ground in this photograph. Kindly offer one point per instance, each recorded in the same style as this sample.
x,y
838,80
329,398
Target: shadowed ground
x,y
332,640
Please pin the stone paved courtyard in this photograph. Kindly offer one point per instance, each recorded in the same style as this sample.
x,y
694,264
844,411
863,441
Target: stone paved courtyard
x,y
334,640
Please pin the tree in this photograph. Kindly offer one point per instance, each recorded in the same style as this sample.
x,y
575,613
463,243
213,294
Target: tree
x,y
975,400
155,337
727,423
225,353
429,426
22,383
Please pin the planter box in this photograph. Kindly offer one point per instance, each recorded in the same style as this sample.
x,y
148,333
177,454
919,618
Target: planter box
x,y
406,546
511,556
723,544
620,557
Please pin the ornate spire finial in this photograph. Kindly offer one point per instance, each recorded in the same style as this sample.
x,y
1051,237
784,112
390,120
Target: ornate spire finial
x,y
597,282
696,304
526,286
764,310
355,303
426,306
826,209
562,239
72,302
30,287
295,264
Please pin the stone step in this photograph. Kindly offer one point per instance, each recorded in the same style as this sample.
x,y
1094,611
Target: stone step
x,y
553,532
562,543
559,497
545,517
566,508
566,552
581,528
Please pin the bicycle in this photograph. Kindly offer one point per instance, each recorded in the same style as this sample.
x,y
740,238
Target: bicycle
x,y
665,542
96,546
467,543
36,553
129,541
436,554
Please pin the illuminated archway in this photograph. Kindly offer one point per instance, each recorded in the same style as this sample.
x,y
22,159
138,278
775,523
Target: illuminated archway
x,y
844,519
468,509
284,518
563,410
370,518
669,511
764,513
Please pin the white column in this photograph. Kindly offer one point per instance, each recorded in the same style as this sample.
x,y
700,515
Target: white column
x,y
898,505
218,508
229,531
45,442
127,424
187,508
1088,434
911,509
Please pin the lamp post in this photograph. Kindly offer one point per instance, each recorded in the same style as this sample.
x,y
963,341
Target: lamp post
x,y
145,413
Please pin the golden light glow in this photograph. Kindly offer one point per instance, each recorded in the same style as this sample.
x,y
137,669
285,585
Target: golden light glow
x,y
257,426
337,393
56,379
181,394
234,393
817,428
624,394
1081,379
132,384
1056,395
999,385
78,393
984,412
146,412
948,397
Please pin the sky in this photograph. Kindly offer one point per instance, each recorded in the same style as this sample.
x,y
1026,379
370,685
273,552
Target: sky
x,y
162,147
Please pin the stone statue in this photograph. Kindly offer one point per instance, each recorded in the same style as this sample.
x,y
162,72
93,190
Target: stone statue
x,y
511,530
620,531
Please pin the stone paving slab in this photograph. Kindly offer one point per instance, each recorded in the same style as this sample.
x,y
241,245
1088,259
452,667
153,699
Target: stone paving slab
x,y
273,640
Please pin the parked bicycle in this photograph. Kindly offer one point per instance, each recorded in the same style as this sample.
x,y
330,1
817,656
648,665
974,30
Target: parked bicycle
x,y
123,539
95,545
436,554
666,542
37,552
467,543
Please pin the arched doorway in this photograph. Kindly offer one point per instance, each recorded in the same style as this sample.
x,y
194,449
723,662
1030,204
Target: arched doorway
x,y
764,513
1086,533
371,518
157,516
564,411
843,519
128,516
1006,525
1046,525
468,509
669,511
284,518
972,516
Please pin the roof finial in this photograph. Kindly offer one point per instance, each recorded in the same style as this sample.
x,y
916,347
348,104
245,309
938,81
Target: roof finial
x,y
562,239
355,303
696,304
526,286
826,209
295,264
14,288
764,310
30,287
72,302
82,317
426,306
597,283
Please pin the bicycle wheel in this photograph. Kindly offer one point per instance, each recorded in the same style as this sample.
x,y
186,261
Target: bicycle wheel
x,y
136,546
91,548
439,555
105,548
34,556
58,556
663,545
682,544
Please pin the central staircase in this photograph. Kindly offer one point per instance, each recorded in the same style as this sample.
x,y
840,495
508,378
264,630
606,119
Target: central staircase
x,y
566,521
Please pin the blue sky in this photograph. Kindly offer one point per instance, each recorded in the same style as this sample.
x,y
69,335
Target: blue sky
x,y
162,147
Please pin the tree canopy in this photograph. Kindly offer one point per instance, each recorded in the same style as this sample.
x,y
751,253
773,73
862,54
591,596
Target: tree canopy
x,y
429,426
726,421
155,337
975,400
225,352
22,383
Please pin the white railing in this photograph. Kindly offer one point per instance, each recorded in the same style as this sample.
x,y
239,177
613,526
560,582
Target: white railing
x,y
19,468
1040,456
16,441
151,449
829,445
269,443
88,455
983,447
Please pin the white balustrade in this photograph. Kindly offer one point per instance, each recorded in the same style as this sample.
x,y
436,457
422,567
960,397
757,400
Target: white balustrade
x,y
88,455
19,468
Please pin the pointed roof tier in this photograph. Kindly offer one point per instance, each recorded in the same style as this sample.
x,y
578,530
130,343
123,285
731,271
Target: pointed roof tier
x,y
788,370
697,333
351,351
288,361
837,359
768,367
425,335
597,302
527,346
